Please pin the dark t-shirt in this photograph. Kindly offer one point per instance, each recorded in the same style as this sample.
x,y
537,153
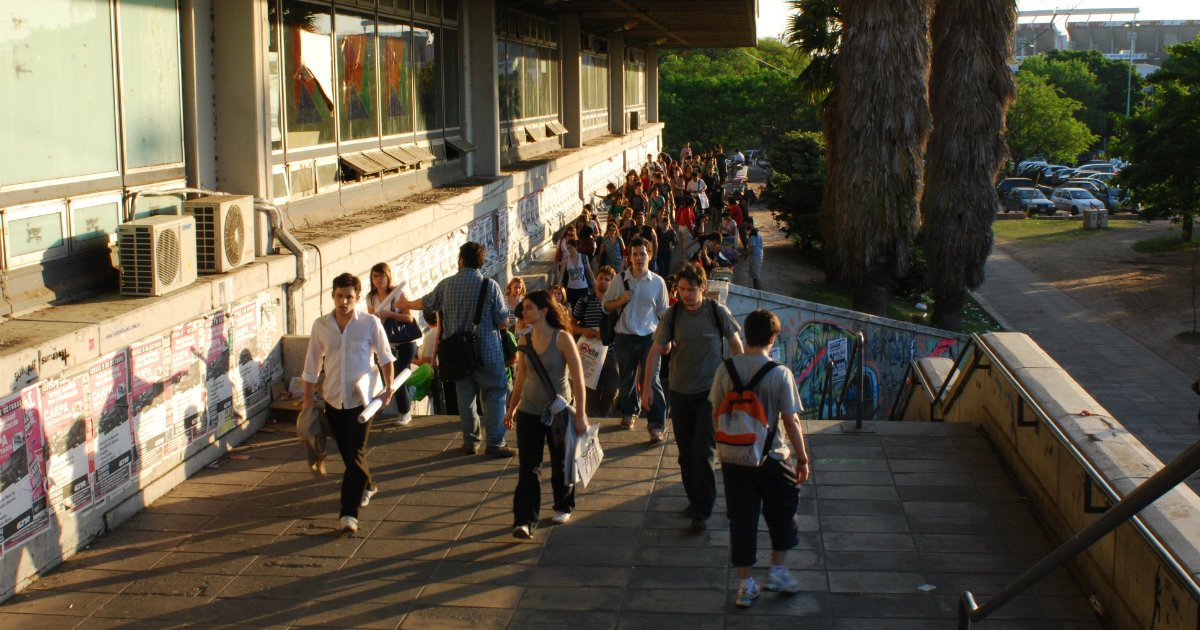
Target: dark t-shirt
x,y
697,352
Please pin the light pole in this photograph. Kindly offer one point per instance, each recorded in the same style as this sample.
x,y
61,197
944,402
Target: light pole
x,y
1132,26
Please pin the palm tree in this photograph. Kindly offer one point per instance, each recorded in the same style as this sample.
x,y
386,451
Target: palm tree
x,y
877,124
970,90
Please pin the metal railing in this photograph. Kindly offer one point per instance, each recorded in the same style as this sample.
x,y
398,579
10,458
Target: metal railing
x,y
1125,509
855,374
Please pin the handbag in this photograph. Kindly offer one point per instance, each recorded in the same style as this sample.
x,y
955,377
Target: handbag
x,y
608,323
399,332
458,354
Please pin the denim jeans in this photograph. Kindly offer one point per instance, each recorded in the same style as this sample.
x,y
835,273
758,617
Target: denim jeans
x,y
631,363
404,353
691,421
490,384
532,439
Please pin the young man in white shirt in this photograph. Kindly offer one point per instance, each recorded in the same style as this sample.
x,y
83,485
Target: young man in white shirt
x,y
344,344
644,302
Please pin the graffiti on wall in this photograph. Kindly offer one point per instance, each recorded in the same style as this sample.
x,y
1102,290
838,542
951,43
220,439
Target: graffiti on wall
x,y
820,354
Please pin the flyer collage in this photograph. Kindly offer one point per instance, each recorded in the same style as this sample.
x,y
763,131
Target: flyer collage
x,y
68,443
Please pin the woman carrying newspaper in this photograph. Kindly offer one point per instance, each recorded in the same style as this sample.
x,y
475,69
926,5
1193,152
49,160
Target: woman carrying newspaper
x,y
541,381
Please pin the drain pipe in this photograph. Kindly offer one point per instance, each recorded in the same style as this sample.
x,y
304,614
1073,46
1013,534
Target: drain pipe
x,y
274,217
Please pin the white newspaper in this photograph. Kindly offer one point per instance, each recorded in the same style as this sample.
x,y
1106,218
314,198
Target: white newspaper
x,y
584,455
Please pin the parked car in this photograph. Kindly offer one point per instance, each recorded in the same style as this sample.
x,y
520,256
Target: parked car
x,y
1031,201
1096,168
1009,183
1098,189
1074,200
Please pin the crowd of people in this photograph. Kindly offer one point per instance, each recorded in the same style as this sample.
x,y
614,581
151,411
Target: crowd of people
x,y
616,277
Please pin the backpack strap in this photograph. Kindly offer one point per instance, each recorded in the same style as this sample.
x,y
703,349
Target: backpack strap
x,y
483,287
762,372
733,376
712,309
536,361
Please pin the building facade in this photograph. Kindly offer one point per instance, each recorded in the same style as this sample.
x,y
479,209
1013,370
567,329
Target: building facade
x,y
358,131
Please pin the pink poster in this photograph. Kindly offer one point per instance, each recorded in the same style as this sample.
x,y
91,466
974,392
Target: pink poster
x,y
249,389
108,389
186,382
70,467
149,406
221,415
23,511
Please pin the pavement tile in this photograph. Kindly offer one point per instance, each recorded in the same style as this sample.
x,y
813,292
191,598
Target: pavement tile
x,y
209,563
455,618
643,577
865,523
872,560
838,507
684,601
352,614
40,621
173,607
571,597
524,618
875,581
639,620
189,584
875,605
467,572
62,603
68,579
293,565
868,541
544,575
681,557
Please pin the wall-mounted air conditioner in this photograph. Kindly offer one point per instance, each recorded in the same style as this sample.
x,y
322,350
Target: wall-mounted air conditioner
x,y
224,231
157,254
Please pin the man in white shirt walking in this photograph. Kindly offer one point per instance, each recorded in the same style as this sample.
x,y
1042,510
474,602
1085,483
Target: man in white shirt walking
x,y
344,343
643,296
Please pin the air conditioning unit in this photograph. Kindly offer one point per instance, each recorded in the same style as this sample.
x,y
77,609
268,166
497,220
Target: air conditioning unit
x,y
224,231
157,254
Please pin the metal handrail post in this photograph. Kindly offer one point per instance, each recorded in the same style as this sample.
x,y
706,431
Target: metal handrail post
x,y
906,385
1148,492
860,359
848,376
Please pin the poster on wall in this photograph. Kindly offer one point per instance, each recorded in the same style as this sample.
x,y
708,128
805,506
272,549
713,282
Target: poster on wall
x,y
186,380
70,467
108,390
23,512
148,403
247,384
217,383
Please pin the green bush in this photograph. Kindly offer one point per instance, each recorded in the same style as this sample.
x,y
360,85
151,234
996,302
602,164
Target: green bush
x,y
797,186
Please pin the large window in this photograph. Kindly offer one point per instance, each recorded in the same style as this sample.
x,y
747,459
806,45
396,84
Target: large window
x,y
528,75
635,79
352,76
89,105
593,80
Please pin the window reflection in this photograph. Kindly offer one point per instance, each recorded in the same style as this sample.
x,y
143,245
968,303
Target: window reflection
x,y
356,73
308,72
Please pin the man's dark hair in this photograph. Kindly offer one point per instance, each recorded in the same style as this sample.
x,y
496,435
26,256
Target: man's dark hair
x,y
348,280
472,254
638,241
693,273
760,326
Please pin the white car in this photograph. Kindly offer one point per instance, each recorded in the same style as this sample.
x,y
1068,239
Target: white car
x,y
1074,200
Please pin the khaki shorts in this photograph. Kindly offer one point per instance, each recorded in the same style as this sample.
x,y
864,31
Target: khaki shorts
x,y
756,268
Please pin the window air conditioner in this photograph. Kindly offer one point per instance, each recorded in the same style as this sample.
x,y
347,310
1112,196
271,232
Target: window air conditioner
x,y
224,231
157,254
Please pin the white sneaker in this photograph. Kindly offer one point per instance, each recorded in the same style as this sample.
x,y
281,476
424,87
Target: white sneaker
x,y
367,494
349,524
522,531
561,517
783,582
404,419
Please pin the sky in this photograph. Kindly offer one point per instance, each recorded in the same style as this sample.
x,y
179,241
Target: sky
x,y
773,14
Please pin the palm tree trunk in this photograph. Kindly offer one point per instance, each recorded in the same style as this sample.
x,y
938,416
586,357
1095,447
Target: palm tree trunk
x,y
880,124
970,90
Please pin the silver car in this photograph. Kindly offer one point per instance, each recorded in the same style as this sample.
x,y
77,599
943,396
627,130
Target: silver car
x,y
1074,200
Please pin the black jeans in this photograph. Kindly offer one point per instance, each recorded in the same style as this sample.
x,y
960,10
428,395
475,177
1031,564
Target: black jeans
x,y
691,417
532,438
770,488
351,438
404,353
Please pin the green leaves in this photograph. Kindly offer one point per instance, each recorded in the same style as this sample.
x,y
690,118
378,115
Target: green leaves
x,y
1042,122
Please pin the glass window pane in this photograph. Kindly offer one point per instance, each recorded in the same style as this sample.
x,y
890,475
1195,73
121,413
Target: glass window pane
x,y
555,97
424,50
450,8
308,66
529,85
544,106
355,42
148,206
34,234
92,222
397,77
275,76
450,72
57,114
510,81
150,82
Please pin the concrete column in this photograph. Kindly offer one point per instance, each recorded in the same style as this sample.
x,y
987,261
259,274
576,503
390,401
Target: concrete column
x,y
652,84
572,95
616,84
239,95
482,88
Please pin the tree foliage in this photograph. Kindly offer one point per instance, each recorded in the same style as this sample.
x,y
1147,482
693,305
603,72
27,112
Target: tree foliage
x,y
1075,81
797,185
1162,142
1041,122
1115,80
740,97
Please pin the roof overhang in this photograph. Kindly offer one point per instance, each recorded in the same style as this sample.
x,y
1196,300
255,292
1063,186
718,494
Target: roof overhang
x,y
665,23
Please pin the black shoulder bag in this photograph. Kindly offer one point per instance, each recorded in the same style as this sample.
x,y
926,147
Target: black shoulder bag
x,y
608,323
458,354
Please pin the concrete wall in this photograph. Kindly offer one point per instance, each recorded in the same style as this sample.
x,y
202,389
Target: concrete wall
x,y
811,332
1132,583
513,215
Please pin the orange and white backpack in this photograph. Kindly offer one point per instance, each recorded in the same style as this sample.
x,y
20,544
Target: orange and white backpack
x,y
743,432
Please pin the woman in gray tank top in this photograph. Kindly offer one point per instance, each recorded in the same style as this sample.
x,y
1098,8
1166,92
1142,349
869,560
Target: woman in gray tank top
x,y
557,352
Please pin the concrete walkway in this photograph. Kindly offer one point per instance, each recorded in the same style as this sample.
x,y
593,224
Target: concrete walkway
x,y
894,525
1151,397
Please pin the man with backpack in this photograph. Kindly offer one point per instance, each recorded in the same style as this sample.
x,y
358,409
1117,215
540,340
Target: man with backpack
x,y
692,332
753,396
640,297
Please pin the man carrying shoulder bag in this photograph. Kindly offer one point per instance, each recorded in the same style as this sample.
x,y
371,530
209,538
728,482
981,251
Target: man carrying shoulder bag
x,y
470,353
